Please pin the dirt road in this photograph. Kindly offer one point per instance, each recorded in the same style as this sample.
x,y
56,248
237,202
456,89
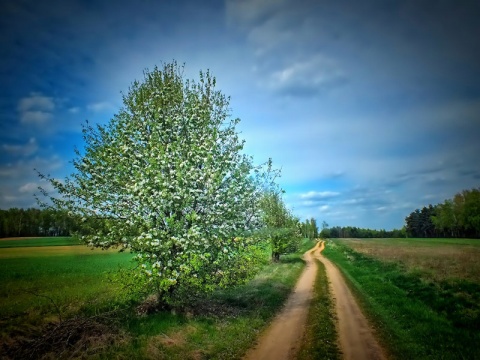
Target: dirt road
x,y
356,337
282,339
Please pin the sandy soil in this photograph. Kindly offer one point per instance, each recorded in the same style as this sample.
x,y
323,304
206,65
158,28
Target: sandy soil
x,y
282,338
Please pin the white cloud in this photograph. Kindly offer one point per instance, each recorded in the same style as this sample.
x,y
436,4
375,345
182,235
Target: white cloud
x,y
9,198
74,110
35,117
22,150
100,106
285,36
35,109
32,187
24,168
305,76
36,102
28,187
247,12
20,182
317,195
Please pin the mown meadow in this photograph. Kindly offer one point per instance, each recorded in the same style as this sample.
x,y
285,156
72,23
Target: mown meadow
x,y
57,299
422,295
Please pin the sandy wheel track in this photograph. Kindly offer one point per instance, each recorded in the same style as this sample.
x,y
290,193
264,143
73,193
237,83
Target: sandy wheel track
x,y
356,336
282,338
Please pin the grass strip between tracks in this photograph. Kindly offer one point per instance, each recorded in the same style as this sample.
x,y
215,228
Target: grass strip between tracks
x,y
320,338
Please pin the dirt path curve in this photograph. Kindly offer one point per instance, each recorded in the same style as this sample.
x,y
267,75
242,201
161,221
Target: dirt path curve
x,y
282,338
356,337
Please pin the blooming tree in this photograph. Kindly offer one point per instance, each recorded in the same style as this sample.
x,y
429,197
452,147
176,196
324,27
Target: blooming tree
x,y
166,178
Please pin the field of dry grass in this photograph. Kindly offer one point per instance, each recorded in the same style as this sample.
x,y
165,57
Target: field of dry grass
x,y
434,259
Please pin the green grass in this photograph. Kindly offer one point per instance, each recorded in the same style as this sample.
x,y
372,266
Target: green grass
x,y
228,324
320,338
42,241
224,325
30,286
417,318
238,315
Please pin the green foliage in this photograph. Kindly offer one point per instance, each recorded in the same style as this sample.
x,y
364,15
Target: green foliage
x,y
16,222
457,217
284,241
281,227
310,228
166,178
354,232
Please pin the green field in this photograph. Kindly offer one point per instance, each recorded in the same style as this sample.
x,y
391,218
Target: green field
x,y
422,295
34,283
36,242
48,286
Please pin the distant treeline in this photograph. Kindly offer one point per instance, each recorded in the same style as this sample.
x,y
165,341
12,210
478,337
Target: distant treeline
x,y
35,222
457,217
354,232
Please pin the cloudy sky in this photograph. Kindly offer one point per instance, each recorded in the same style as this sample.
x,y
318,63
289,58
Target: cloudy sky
x,y
371,108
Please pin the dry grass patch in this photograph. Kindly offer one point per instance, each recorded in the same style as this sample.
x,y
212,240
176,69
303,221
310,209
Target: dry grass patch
x,y
436,261
79,338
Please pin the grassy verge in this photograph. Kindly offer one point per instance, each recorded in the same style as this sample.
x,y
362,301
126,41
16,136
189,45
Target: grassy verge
x,y
416,319
222,326
320,338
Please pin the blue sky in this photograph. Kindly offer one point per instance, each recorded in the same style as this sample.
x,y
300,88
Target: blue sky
x,y
371,108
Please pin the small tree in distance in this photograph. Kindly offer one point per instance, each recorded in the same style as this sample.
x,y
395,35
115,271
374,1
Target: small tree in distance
x,y
166,179
281,225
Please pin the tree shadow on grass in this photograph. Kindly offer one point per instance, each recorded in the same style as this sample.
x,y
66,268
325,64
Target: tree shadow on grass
x,y
259,296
